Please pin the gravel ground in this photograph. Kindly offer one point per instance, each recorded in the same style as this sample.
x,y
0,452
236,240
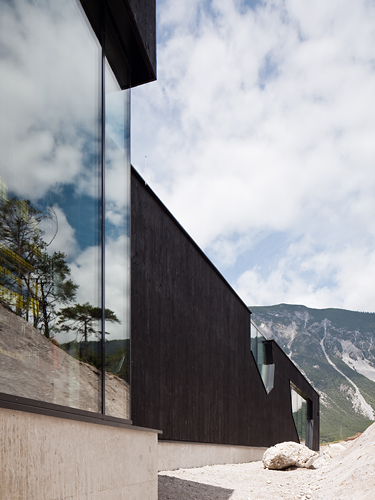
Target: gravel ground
x,y
343,472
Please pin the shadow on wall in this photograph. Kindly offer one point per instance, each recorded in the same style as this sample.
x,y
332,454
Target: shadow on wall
x,y
171,487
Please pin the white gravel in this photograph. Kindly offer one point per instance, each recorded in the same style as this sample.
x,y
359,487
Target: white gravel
x,y
343,472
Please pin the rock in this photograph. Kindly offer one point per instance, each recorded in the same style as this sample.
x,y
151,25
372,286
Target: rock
x,y
288,454
321,461
333,450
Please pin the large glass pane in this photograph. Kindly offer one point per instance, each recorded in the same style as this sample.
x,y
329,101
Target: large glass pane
x,y
299,407
50,252
117,247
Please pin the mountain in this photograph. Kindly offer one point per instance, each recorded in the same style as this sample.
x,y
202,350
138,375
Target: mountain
x,y
335,350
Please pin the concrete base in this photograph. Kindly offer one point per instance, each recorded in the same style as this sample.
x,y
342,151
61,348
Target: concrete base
x,y
52,458
177,455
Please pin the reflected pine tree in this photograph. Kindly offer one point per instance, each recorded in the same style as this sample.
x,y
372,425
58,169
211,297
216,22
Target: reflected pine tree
x,y
36,284
33,283
21,242
54,288
84,320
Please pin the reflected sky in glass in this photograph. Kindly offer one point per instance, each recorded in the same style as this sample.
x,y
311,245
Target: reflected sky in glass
x,y
50,154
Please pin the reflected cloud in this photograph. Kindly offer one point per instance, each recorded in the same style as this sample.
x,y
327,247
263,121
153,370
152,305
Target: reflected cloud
x,y
117,281
60,235
49,121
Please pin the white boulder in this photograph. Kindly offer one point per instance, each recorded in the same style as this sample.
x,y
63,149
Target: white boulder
x,y
288,454
334,450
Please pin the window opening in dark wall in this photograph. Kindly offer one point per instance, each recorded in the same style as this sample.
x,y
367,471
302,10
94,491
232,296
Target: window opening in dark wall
x,y
302,410
262,352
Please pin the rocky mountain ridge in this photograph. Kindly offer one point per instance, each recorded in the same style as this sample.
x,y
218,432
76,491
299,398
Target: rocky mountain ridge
x,y
335,349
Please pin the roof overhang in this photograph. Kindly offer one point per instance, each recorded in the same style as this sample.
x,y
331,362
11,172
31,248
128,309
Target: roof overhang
x,y
130,37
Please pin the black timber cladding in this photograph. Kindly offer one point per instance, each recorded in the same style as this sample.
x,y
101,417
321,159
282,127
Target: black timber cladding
x,y
130,36
144,14
193,374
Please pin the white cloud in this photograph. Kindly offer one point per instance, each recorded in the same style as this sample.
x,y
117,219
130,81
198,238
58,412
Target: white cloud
x,y
86,272
118,285
59,234
262,121
48,124
319,279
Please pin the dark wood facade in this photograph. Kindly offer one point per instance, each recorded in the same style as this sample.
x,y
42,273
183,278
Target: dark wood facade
x,y
193,374
130,36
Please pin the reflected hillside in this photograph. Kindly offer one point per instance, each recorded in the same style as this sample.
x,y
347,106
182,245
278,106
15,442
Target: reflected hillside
x,y
32,366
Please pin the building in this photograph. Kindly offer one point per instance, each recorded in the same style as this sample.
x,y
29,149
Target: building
x,y
201,371
79,417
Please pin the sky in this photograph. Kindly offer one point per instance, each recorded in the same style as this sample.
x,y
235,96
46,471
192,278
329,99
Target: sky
x,y
259,136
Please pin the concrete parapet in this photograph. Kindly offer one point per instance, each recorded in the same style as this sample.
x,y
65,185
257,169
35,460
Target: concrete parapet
x,y
51,458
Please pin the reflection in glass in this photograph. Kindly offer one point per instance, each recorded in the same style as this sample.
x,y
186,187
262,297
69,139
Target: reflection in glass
x,y
302,409
299,410
262,352
117,247
49,204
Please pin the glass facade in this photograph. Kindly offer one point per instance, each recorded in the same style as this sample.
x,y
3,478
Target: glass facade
x,y
64,212
262,352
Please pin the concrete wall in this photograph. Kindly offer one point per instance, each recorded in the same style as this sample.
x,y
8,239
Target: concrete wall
x,y
175,455
48,458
